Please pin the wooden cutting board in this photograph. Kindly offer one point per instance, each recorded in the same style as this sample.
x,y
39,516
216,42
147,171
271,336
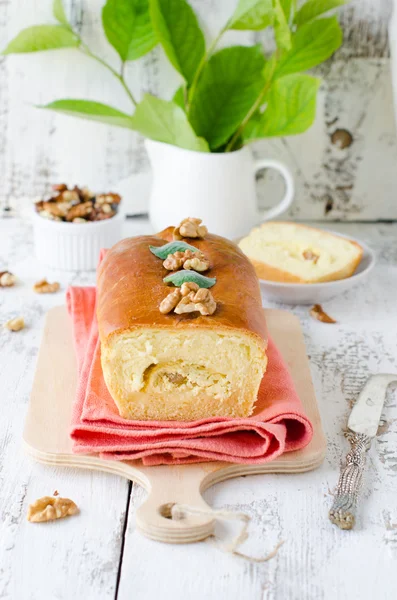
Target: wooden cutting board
x,y
48,419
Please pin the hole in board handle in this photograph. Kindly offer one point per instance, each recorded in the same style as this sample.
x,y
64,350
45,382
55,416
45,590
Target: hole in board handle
x,y
165,510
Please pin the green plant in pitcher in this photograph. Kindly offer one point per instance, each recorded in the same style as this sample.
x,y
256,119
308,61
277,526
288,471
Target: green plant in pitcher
x,y
227,97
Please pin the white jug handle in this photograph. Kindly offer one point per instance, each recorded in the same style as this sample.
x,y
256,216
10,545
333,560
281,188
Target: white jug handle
x,y
289,187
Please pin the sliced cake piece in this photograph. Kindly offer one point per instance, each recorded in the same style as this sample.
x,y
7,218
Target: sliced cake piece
x,y
292,253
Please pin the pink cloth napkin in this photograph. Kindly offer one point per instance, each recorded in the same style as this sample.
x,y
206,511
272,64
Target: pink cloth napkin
x,y
278,424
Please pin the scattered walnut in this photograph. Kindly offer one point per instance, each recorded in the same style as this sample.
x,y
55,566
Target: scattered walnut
x,y
309,255
49,509
55,493
100,215
86,194
79,210
77,203
102,199
56,209
59,187
201,301
15,324
7,279
170,301
191,228
188,260
43,287
47,215
318,313
71,196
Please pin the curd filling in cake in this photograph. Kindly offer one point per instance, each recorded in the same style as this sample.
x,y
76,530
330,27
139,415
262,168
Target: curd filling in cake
x,y
182,329
167,374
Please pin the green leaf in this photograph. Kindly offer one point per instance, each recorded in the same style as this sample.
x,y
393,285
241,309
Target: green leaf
x,y
179,97
166,122
59,12
175,246
287,6
253,15
180,277
313,8
313,43
144,38
282,32
42,37
179,33
229,85
291,108
128,27
94,111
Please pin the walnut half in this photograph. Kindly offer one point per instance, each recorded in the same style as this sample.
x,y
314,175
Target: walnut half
x,y
310,255
48,509
170,301
188,260
7,279
189,298
15,324
318,313
190,227
201,301
43,287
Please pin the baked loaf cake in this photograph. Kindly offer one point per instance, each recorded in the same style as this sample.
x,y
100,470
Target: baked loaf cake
x,y
292,253
165,365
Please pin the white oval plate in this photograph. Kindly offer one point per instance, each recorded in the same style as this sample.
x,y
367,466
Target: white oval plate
x,y
316,293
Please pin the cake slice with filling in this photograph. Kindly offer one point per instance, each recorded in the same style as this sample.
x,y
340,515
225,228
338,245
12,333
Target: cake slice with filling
x,y
292,253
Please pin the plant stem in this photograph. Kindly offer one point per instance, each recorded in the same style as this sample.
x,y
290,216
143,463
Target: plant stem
x,y
251,111
202,63
120,76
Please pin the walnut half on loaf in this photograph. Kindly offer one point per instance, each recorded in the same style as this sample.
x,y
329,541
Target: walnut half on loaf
x,y
184,366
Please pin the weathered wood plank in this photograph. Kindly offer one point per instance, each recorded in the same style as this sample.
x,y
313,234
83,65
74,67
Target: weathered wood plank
x,y
77,557
38,148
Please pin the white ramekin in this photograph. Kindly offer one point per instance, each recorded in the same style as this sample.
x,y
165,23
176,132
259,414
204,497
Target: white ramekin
x,y
74,246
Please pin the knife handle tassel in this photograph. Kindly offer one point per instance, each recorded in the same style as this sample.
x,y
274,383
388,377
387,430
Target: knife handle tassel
x,y
343,509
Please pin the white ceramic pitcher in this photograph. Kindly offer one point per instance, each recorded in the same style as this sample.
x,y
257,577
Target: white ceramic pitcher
x,y
218,188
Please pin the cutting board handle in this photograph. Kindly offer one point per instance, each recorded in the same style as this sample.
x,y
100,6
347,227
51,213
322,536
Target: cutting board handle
x,y
174,485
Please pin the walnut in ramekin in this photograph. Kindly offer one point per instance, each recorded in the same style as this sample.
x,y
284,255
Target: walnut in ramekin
x,y
77,205
61,240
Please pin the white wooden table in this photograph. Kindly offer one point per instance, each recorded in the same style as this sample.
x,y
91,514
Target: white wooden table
x,y
99,554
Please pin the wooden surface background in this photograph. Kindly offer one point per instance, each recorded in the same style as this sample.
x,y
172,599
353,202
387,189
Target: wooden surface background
x,y
100,555
38,148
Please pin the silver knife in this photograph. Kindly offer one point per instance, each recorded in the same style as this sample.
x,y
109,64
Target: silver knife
x,y
362,425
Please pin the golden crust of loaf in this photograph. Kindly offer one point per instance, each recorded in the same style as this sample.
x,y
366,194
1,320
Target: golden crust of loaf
x,y
271,272
130,288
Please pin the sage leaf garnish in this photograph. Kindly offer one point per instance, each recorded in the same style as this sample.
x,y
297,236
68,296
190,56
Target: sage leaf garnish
x,y
176,246
181,277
